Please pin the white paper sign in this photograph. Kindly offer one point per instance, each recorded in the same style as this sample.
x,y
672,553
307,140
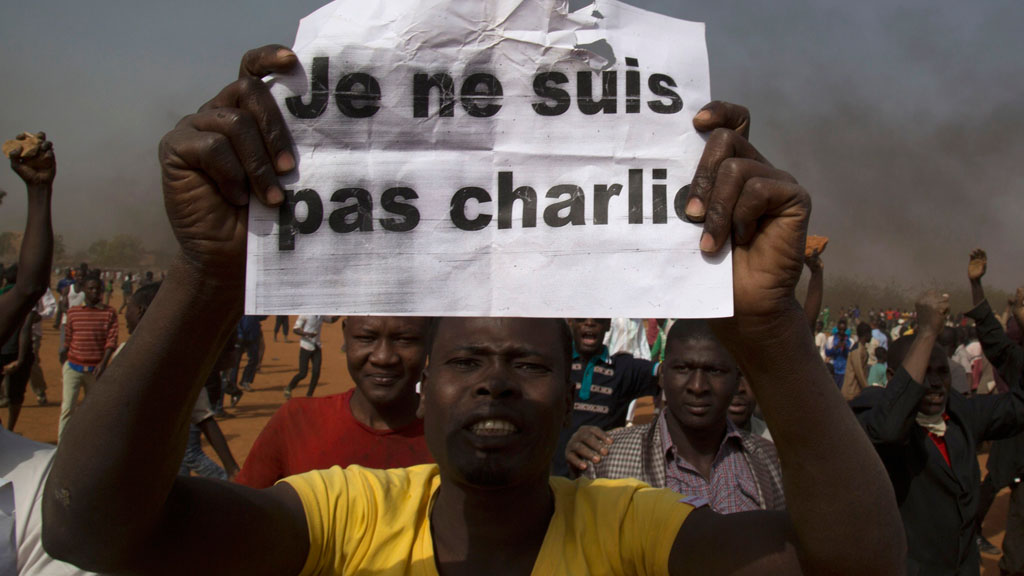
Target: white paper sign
x,y
499,158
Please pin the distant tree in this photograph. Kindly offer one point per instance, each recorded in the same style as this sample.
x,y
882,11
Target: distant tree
x,y
123,250
8,245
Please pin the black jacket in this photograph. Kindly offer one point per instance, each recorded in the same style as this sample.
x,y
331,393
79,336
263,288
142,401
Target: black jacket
x,y
938,501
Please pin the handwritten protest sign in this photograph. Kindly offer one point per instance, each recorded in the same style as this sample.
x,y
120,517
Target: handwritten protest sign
x,y
502,158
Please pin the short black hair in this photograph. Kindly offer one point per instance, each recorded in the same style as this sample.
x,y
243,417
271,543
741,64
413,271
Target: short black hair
x,y
864,330
564,337
881,354
689,329
144,295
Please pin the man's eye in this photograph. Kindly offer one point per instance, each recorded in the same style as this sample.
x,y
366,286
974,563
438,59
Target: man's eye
x,y
534,368
463,362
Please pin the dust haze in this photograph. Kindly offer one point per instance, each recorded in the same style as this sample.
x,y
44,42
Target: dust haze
x,y
904,120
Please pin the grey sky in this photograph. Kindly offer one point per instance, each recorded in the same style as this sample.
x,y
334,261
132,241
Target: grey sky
x,y
902,118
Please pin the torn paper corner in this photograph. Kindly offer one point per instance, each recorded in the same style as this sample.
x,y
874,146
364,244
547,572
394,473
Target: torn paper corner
x,y
449,23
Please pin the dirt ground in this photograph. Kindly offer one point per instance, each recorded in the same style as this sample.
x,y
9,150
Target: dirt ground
x,y
280,362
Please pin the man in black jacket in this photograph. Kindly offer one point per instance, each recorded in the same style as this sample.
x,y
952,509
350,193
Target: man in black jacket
x,y
927,437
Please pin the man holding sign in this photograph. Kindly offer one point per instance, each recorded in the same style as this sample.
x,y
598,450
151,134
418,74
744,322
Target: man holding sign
x,y
495,397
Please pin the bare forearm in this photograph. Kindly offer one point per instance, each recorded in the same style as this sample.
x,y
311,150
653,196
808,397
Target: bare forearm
x,y
33,263
123,480
220,445
830,469
815,296
977,292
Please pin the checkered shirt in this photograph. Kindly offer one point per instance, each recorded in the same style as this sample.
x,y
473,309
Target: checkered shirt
x,y
638,452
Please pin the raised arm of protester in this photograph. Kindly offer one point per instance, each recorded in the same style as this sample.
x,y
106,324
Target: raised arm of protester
x,y
737,193
1000,415
38,170
916,379
976,268
114,501
815,288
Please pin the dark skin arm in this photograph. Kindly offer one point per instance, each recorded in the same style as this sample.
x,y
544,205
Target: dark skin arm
x,y
815,288
976,268
151,520
220,445
38,172
830,469
24,346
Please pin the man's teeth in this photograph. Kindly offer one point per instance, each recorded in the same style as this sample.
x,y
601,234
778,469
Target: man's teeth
x,y
494,428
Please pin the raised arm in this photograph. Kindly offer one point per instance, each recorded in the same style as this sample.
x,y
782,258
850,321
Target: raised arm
x,y
976,268
38,171
998,415
890,419
113,501
830,469
815,288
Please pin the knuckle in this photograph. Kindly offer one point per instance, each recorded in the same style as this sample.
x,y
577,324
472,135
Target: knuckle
x,y
715,218
247,85
703,180
732,167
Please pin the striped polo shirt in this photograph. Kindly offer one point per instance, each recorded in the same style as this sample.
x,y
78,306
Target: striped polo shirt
x,y
89,333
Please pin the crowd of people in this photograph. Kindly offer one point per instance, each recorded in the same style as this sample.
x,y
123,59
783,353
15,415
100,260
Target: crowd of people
x,y
785,439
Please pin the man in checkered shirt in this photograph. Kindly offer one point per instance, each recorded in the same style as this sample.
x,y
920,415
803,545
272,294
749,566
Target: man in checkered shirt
x,y
692,447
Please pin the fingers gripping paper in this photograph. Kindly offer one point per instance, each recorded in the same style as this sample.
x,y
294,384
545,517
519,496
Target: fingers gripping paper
x,y
503,158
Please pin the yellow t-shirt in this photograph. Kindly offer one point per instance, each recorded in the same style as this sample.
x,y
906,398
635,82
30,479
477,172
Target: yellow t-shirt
x,y
364,521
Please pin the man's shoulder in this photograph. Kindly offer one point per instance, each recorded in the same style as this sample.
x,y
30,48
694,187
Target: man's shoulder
x,y
625,458
631,434
628,361
392,486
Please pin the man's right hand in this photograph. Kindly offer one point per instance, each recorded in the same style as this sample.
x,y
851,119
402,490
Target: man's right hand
x,y
236,144
978,265
932,310
39,169
814,262
588,444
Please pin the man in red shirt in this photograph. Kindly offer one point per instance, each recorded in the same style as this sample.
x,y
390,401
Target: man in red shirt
x,y
373,425
90,338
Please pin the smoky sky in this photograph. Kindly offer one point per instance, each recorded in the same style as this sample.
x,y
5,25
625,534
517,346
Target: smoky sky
x,y
903,119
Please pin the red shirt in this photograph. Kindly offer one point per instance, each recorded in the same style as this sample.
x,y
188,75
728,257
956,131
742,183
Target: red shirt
x,y
89,332
317,433
940,442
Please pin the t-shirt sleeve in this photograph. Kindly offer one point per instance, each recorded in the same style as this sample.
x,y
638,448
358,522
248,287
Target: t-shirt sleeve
x,y
363,521
324,495
626,526
650,527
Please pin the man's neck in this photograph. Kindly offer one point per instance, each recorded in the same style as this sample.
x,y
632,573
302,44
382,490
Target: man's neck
x,y
383,417
698,447
490,531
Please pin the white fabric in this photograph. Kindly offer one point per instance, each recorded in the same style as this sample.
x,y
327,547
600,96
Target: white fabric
x,y
310,324
26,464
202,409
819,341
46,307
627,336
933,423
75,298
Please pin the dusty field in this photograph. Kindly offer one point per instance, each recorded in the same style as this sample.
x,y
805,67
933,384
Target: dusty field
x,y
280,362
